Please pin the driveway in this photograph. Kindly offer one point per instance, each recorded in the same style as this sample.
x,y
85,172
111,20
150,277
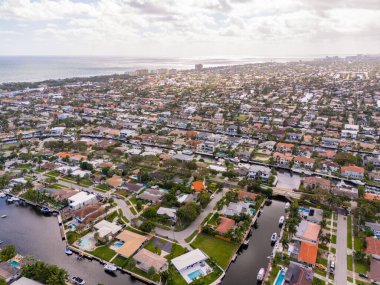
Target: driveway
x,y
341,251
180,236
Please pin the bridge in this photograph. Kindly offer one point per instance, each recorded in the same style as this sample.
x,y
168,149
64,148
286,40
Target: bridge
x,y
286,192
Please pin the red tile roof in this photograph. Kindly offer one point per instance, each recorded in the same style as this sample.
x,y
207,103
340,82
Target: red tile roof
x,y
308,252
373,246
198,186
225,224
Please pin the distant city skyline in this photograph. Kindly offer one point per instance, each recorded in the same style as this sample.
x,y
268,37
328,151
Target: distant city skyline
x,y
190,28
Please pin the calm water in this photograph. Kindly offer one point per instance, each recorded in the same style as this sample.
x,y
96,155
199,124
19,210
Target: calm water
x,y
37,235
244,270
38,68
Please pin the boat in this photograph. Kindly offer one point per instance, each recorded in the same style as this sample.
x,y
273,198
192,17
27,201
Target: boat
x,y
260,275
15,199
281,221
2,195
287,205
357,182
45,210
78,281
246,242
268,202
68,251
3,216
273,238
110,267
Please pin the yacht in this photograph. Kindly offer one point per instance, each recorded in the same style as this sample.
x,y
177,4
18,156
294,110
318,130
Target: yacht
x,y
273,238
287,205
110,267
260,275
281,221
2,195
3,216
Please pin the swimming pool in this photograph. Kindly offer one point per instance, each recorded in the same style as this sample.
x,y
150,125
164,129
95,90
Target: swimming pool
x,y
280,278
118,244
194,275
84,242
15,264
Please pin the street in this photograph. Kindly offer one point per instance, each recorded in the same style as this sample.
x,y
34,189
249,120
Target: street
x,y
341,251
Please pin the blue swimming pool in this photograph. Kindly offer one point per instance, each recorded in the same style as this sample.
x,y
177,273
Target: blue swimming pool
x,y
280,278
15,264
118,244
377,236
194,275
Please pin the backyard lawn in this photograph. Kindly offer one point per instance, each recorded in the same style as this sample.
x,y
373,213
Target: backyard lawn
x,y
219,250
102,188
103,252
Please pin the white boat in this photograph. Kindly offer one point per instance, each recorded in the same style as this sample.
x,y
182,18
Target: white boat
x,y
3,216
2,195
273,238
110,267
357,182
281,220
287,205
68,251
260,275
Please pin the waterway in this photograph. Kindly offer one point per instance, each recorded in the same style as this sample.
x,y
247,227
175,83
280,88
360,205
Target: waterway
x,y
37,235
244,270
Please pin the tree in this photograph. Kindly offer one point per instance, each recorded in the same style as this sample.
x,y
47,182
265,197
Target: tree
x,y
151,271
188,213
147,226
204,199
7,252
45,273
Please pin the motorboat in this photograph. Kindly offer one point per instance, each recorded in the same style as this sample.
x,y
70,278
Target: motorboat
x,y
268,202
260,275
273,238
187,152
110,267
287,205
68,251
78,281
45,210
2,195
281,221
357,182
3,216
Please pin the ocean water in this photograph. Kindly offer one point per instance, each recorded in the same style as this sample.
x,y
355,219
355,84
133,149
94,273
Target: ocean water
x,y
38,68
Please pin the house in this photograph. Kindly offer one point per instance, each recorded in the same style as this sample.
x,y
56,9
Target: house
x,y
114,181
304,162
282,158
151,195
131,243
373,246
131,187
8,272
224,225
298,275
317,183
330,166
233,209
206,147
308,253
88,213
374,227
374,273
198,186
192,262
294,137
330,142
284,147
352,171
171,213
26,281
344,189
81,199
244,195
106,229
146,259
57,131
307,231
258,171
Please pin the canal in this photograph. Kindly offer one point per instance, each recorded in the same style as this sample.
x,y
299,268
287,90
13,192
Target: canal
x,y
37,235
244,270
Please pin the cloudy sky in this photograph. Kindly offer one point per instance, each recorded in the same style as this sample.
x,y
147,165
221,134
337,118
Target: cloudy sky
x,y
189,28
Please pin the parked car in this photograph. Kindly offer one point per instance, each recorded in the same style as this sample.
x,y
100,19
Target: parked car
x,y
332,266
363,275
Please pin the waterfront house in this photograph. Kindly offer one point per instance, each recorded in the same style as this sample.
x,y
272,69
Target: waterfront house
x,y
26,281
346,190
192,265
284,147
106,229
304,162
131,243
330,166
258,171
88,213
8,272
146,259
352,171
314,183
283,158
307,231
297,274
233,209
224,225
308,253
81,199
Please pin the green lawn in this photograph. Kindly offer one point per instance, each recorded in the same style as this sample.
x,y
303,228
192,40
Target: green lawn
x,y
110,217
57,186
103,252
349,262
152,247
361,267
220,250
273,274
349,232
333,250
24,167
190,237
322,261
358,244
333,239
102,188
52,174
133,210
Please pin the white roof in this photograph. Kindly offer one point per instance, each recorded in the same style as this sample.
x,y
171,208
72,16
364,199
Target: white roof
x,y
106,227
81,197
26,281
168,211
188,259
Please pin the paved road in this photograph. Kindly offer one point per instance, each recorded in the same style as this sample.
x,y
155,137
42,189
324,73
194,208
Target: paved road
x,y
123,206
341,252
180,236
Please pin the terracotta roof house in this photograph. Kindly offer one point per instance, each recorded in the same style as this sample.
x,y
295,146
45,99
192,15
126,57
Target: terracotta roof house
x,y
114,181
225,224
132,242
308,253
198,186
373,246
352,171
283,158
284,147
370,196
146,259
247,195
301,161
316,182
